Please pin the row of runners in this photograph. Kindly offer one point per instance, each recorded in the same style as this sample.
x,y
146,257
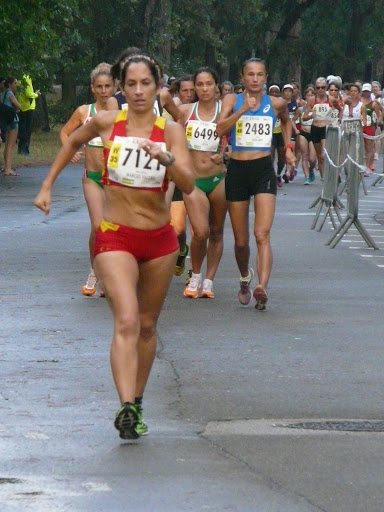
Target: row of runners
x,y
215,156
327,102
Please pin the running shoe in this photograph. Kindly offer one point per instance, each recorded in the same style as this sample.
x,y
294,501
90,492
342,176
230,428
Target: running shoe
x,y
141,427
188,276
372,167
261,297
89,289
102,294
307,181
192,290
180,262
207,291
278,181
291,177
244,293
312,176
286,178
376,156
127,420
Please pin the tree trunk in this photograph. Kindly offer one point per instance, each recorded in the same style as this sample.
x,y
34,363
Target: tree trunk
x,y
210,55
295,52
68,87
41,119
163,48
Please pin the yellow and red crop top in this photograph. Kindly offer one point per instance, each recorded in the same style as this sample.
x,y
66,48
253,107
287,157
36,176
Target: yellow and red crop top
x,y
125,165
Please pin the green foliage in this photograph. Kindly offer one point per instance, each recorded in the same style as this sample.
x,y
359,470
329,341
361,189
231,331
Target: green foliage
x,y
54,39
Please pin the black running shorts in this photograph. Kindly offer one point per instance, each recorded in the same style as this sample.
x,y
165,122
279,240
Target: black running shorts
x,y
246,178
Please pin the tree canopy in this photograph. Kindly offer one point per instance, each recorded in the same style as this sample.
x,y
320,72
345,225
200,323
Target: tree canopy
x,y
60,41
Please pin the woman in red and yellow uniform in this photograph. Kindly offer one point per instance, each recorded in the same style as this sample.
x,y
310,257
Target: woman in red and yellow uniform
x,y
135,248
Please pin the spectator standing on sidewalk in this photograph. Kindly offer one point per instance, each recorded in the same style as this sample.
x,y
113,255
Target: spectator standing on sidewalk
x,y
10,128
27,99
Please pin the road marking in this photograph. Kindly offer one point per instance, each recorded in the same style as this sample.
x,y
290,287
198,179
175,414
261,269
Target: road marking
x,y
96,487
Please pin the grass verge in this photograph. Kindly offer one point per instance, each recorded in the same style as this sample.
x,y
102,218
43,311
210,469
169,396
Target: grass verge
x,y
44,147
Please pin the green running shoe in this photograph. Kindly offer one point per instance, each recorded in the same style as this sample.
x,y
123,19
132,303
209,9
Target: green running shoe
x,y
141,427
188,277
180,262
126,421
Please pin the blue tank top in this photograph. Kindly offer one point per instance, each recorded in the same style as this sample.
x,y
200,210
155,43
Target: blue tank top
x,y
253,131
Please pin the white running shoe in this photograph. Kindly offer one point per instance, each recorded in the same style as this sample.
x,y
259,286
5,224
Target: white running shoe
x,y
192,289
207,291
89,289
245,293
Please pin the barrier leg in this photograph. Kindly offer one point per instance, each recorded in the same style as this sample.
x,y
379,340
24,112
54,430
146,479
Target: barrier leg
x,y
365,235
339,204
326,213
337,231
337,210
319,208
378,180
363,183
315,202
341,233
331,216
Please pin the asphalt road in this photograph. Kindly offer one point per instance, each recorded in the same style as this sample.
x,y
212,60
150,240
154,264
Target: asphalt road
x,y
226,381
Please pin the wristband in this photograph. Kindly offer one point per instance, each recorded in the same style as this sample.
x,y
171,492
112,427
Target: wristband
x,y
288,146
170,157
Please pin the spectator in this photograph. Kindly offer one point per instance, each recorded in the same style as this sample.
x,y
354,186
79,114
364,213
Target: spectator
x,y
27,99
8,98
2,128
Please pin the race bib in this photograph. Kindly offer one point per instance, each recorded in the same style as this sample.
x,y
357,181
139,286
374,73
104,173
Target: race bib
x,y
254,132
202,136
133,167
321,110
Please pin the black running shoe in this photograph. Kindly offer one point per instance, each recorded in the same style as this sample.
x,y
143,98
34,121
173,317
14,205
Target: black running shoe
x,y
126,421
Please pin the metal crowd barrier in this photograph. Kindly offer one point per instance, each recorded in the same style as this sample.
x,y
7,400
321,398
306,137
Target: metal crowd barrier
x,y
353,148
329,194
349,126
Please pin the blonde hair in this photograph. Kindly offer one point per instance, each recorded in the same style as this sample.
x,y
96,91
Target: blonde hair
x,y
321,80
101,69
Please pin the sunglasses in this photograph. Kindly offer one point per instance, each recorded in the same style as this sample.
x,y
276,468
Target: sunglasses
x,y
320,86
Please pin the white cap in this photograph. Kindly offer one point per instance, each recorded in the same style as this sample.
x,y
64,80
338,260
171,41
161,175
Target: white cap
x,y
274,87
366,87
288,86
331,78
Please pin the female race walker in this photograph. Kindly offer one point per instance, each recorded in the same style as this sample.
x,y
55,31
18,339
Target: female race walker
x,y
206,206
250,117
102,88
135,245
320,110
